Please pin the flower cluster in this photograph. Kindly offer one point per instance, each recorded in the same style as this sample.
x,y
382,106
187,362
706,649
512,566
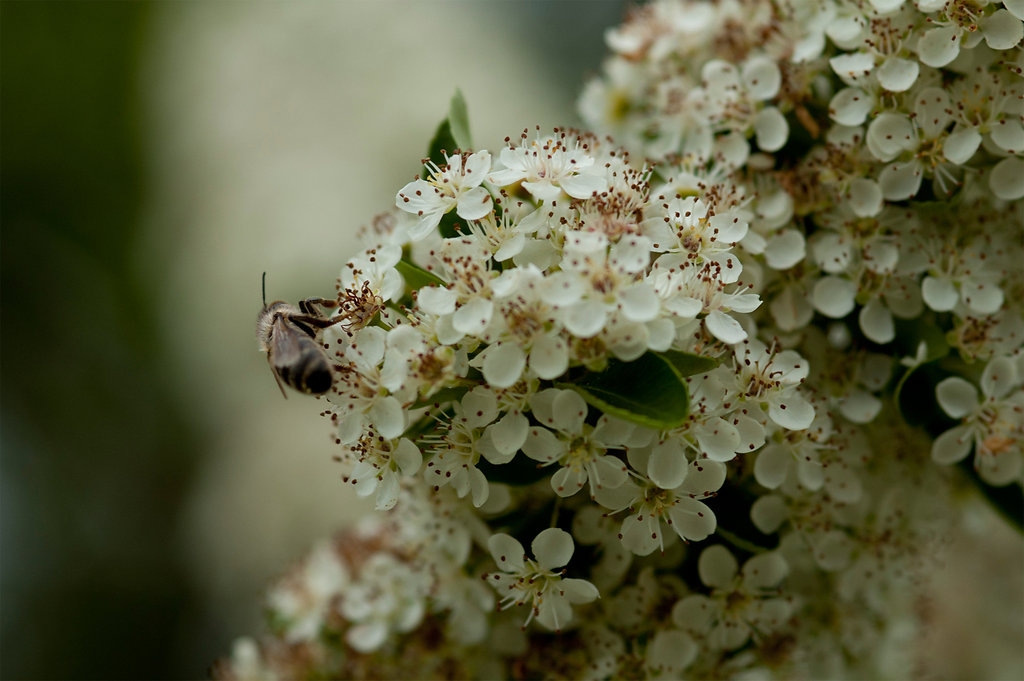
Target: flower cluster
x,y
701,372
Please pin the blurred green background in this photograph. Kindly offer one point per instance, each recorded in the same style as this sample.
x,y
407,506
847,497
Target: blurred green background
x,y
156,158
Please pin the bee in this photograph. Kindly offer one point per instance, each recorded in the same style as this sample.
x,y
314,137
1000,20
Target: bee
x,y
288,335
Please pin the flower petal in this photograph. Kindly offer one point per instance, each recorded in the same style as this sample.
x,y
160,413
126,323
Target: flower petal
x,y
436,300
509,433
552,548
834,296
765,570
999,378
724,328
504,364
507,552
790,410
473,317
952,446
579,590
771,129
667,466
639,302
956,396
772,466
408,457
784,250
1007,179
717,567
542,445
876,322
897,74
939,293
939,46
569,410
549,356
692,520
388,417
670,651
474,204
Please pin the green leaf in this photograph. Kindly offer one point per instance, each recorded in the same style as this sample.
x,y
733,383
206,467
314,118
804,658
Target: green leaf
x,y
647,391
443,141
449,225
416,277
441,396
452,133
458,121
517,472
687,364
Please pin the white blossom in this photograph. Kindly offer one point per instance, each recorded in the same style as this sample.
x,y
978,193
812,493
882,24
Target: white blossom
x,y
538,582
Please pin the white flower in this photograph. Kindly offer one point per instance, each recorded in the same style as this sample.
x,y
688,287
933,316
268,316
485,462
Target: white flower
x,y
302,599
367,282
380,465
578,447
960,277
669,652
772,379
358,394
456,451
688,291
686,226
388,596
597,281
415,366
538,582
741,604
649,505
525,331
993,425
800,456
548,166
467,604
457,186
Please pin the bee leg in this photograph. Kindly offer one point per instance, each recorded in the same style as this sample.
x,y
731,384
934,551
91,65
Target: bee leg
x,y
318,322
307,305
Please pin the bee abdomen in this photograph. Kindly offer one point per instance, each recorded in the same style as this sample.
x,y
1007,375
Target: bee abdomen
x,y
319,380
309,374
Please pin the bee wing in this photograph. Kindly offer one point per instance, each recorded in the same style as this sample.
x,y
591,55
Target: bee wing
x,y
285,349
277,378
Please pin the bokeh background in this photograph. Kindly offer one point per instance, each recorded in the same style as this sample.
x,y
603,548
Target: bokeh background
x,y
156,159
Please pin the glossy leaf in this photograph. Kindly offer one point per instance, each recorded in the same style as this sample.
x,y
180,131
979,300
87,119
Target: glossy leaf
x,y
458,122
416,277
443,142
453,132
440,397
517,472
647,391
687,364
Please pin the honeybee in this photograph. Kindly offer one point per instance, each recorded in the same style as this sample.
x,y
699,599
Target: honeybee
x,y
288,335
